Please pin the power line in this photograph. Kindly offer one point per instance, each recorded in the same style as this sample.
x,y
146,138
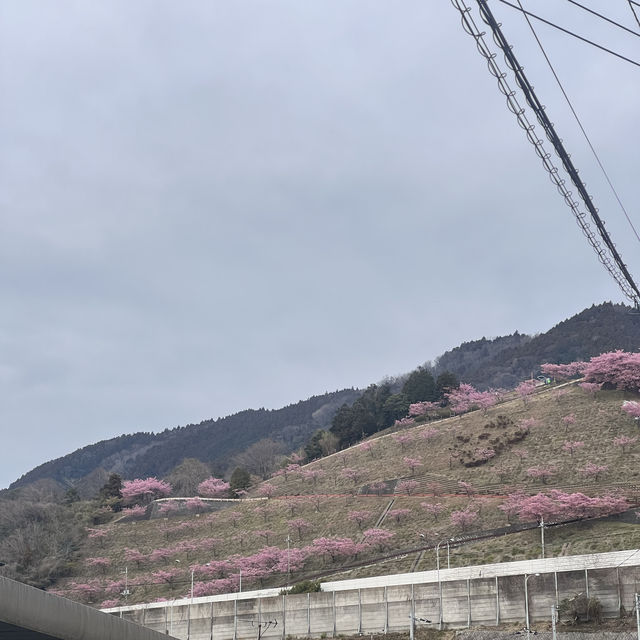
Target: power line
x,y
635,15
571,33
609,257
595,13
575,115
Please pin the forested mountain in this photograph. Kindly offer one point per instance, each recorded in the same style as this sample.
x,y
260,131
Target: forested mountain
x,y
505,361
500,362
211,441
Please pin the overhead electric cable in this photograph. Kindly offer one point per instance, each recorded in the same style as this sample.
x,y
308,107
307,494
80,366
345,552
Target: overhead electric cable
x,y
635,15
571,33
575,115
595,13
609,257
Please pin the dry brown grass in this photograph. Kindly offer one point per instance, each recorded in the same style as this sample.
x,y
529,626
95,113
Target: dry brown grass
x,y
598,421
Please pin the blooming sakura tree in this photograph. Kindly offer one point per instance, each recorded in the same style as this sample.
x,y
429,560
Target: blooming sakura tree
x,y
572,446
592,470
213,488
466,397
300,525
428,433
405,423
558,506
632,408
562,371
359,517
403,439
568,421
264,533
624,441
133,555
484,453
136,511
378,486
399,514
144,491
434,509
590,387
350,474
558,394
526,424
422,408
366,447
168,507
463,519
525,389
521,454
466,487
380,537
98,563
541,473
97,534
170,576
266,490
312,474
408,486
616,369
412,463
195,504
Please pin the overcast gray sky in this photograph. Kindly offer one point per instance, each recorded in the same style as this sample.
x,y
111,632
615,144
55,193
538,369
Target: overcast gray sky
x,y
211,206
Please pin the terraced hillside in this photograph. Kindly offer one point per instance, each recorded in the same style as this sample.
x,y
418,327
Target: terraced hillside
x,y
382,505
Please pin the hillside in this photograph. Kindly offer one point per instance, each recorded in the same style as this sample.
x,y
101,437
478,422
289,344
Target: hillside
x,y
504,361
212,441
343,514
501,362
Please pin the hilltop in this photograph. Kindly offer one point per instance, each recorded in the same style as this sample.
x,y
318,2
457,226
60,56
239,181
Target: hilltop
x,y
499,362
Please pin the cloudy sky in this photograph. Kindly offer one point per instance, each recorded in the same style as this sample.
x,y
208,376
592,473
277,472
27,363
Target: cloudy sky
x,y
211,206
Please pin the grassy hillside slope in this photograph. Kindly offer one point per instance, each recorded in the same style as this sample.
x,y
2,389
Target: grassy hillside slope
x,y
343,496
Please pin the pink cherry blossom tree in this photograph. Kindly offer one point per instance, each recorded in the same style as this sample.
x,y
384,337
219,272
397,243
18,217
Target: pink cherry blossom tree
x,y
463,518
434,509
541,473
403,439
378,486
624,441
359,517
379,537
422,408
571,446
520,454
592,470
568,421
525,389
312,474
300,525
266,490
616,369
590,388
407,486
213,488
350,474
632,408
144,490
428,433
412,463
466,487
562,371
366,447
399,515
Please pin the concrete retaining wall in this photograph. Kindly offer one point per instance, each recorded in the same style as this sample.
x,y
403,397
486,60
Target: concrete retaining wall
x,y
455,598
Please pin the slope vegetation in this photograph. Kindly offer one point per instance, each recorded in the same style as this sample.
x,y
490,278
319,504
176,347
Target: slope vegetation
x,y
381,505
